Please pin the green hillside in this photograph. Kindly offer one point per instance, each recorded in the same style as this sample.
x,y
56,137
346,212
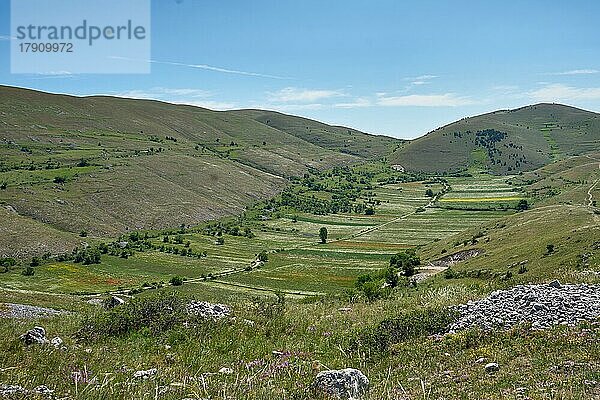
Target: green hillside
x,y
506,141
105,165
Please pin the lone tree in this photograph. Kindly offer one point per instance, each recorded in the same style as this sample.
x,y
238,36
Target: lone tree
x,y
323,235
522,205
406,262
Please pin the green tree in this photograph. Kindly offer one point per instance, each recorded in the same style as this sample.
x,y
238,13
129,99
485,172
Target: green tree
x,y
522,205
549,248
29,271
391,277
323,235
429,193
176,281
406,262
262,256
35,262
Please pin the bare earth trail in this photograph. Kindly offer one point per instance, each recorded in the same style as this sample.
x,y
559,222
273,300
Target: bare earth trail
x,y
589,192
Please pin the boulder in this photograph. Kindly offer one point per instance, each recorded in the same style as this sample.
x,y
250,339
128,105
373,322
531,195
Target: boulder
x,y
35,335
145,374
491,367
345,384
113,302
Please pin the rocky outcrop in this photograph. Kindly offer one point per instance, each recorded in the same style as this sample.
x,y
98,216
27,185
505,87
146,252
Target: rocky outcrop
x,y
542,306
346,384
204,309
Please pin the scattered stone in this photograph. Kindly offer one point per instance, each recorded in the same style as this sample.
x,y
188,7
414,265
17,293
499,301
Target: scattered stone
x,y
480,360
36,335
9,390
491,367
43,390
113,302
56,342
95,301
226,371
23,311
555,284
204,309
344,309
345,384
542,306
145,374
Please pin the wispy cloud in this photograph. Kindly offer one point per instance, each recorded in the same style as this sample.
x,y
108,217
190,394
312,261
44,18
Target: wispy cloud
x,y
207,68
293,94
424,100
359,102
558,92
188,96
577,72
421,80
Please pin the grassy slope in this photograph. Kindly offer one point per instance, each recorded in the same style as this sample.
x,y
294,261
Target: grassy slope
x,y
545,132
128,183
561,217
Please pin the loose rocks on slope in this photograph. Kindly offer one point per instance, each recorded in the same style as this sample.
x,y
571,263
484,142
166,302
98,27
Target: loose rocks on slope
x,y
543,306
204,309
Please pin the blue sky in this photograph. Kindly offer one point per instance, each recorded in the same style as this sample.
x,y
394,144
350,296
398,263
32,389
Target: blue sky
x,y
400,68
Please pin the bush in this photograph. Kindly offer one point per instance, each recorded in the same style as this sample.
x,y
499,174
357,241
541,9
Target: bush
x,y
35,262
28,271
59,179
262,256
406,262
176,281
376,340
157,313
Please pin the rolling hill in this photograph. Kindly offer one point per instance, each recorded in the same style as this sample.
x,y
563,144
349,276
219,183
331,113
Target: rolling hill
x,y
106,165
506,141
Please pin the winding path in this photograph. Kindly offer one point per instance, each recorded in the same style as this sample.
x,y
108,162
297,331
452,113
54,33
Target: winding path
x,y
589,192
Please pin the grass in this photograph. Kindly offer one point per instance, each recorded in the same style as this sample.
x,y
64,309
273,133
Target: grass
x,y
151,165
530,142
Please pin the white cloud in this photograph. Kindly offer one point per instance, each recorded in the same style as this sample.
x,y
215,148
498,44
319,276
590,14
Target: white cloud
x,y
421,80
206,67
189,96
356,103
293,94
424,100
213,105
558,93
577,72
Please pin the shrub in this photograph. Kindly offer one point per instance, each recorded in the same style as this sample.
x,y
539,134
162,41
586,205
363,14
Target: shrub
x,y
220,241
176,281
28,271
157,313
377,339
549,248
522,269
59,179
406,262
263,256
35,262
522,205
